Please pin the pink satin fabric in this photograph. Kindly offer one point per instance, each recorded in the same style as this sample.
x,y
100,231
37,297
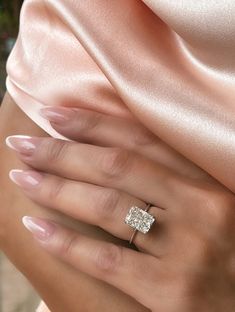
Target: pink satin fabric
x,y
169,63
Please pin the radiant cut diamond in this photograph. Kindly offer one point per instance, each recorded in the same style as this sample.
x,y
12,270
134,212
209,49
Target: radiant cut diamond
x,y
139,219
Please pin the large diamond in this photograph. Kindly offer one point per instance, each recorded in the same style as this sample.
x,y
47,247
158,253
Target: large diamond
x,y
139,219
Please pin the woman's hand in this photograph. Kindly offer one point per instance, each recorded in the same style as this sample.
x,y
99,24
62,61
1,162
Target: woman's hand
x,y
186,261
27,255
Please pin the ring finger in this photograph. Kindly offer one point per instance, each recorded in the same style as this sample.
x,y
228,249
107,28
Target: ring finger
x,y
104,207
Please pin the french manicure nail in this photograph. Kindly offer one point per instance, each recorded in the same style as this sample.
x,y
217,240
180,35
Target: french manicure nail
x,y
58,115
41,229
22,144
27,179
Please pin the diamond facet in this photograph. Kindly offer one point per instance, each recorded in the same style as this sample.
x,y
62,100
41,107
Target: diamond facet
x,y
139,219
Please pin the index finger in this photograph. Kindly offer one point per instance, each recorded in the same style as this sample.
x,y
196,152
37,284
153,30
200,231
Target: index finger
x,y
96,128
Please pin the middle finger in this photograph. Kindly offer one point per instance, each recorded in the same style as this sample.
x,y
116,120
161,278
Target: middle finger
x,y
110,167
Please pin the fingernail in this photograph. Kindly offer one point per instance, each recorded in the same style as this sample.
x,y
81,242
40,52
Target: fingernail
x,y
22,144
41,229
58,115
27,179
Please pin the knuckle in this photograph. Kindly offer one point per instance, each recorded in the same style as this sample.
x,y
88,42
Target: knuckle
x,y
55,150
143,137
107,204
108,258
203,248
55,191
205,200
216,206
220,209
68,246
88,123
116,163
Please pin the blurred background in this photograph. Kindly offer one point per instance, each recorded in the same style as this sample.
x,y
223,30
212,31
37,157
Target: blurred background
x,y
9,22
16,295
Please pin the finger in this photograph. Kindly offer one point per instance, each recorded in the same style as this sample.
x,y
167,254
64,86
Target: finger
x,y
103,130
111,167
126,269
96,128
103,207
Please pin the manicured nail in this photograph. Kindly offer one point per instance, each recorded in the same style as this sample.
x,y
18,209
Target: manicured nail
x,y
27,179
58,115
41,229
22,144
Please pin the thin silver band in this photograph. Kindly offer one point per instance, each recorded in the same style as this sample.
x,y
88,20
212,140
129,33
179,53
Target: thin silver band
x,y
135,231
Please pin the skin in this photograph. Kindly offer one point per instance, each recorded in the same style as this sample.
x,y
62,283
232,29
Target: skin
x,y
74,294
186,262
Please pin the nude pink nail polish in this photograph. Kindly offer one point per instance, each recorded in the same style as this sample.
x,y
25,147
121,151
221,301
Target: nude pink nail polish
x,y
58,115
40,228
27,179
22,144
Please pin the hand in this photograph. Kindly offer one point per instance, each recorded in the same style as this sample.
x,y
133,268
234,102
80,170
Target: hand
x,y
187,259
27,255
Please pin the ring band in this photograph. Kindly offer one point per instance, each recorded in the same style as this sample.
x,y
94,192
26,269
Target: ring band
x,y
140,220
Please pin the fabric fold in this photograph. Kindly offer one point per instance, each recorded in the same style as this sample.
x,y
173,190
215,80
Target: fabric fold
x,y
170,64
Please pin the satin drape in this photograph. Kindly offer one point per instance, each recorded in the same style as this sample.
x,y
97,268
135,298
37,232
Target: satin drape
x,y
170,63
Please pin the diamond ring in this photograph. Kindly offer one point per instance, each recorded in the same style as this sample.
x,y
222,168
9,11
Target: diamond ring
x,y
140,220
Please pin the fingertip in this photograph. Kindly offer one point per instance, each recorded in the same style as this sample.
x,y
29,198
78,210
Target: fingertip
x,y
41,229
57,115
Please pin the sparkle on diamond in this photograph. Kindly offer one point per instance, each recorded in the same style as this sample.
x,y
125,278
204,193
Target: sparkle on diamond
x,y
139,219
